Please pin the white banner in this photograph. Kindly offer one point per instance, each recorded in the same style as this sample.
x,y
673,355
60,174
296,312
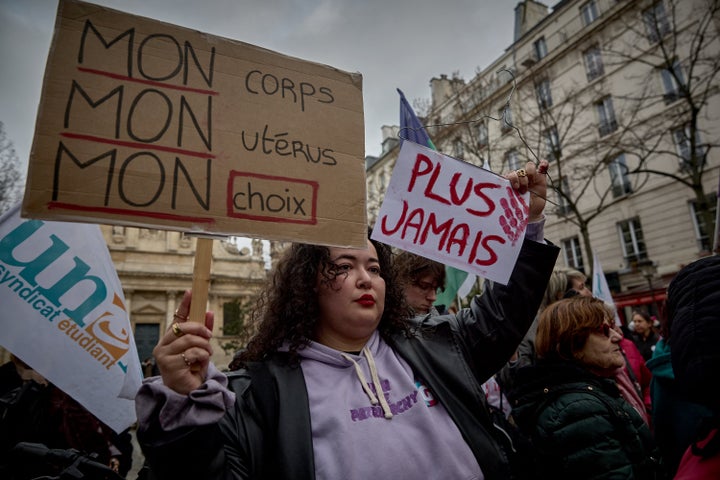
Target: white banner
x,y
600,287
453,212
62,311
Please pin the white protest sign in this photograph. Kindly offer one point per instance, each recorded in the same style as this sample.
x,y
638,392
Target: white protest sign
x,y
453,212
63,313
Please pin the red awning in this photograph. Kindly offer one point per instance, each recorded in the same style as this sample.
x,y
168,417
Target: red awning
x,y
644,297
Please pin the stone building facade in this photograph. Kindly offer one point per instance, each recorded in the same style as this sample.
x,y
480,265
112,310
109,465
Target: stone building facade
x,y
155,267
622,97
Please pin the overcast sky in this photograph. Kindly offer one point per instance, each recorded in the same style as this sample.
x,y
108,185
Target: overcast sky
x,y
392,43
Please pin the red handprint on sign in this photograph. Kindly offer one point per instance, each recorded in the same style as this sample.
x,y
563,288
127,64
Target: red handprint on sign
x,y
513,220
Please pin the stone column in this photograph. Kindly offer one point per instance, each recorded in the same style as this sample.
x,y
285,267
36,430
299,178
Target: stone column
x,y
171,305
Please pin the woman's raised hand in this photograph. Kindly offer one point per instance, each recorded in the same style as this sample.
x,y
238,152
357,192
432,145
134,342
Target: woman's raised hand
x,y
184,352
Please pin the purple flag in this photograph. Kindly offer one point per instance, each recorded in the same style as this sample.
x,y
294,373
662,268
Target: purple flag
x,y
410,126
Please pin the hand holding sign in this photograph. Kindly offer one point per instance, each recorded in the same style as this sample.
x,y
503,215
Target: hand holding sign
x,y
534,181
184,352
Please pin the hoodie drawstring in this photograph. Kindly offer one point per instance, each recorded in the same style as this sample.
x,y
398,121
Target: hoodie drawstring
x,y
375,379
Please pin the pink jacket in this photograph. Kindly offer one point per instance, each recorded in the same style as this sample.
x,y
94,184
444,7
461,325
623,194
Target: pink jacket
x,y
639,369
693,466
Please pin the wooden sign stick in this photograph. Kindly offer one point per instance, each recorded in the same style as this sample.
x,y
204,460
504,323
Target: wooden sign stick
x,y
201,279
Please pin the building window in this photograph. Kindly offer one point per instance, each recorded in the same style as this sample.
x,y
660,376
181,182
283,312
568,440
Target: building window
x,y
589,12
507,120
632,241
656,22
703,236
619,178
458,148
572,253
606,116
671,80
512,160
482,135
563,205
540,48
683,146
552,143
593,63
544,97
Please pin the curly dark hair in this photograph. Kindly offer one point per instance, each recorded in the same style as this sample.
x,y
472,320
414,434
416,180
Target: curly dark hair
x,y
288,309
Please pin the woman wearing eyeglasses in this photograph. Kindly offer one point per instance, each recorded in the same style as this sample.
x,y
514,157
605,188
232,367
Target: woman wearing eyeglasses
x,y
570,405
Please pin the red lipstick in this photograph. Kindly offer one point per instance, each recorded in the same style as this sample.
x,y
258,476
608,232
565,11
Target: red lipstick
x,y
366,301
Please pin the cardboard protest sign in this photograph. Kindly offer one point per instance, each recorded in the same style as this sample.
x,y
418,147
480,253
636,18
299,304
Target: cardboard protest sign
x,y
453,212
64,314
148,124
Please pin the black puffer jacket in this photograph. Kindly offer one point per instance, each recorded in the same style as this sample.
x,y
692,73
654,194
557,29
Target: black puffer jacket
x,y
580,426
693,308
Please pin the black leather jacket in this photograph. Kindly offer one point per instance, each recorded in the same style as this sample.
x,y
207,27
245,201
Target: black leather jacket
x,y
268,434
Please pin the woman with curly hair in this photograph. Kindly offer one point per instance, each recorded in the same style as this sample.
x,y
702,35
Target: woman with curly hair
x,y
288,319
341,381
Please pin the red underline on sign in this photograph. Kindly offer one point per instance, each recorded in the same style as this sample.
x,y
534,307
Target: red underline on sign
x,y
260,218
125,211
138,145
147,82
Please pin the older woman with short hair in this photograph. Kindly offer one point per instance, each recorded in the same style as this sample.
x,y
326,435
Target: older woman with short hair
x,y
570,405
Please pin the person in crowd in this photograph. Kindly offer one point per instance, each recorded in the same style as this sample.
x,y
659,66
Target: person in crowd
x,y
576,284
643,334
693,303
569,403
341,381
421,278
675,418
34,410
525,353
149,367
634,378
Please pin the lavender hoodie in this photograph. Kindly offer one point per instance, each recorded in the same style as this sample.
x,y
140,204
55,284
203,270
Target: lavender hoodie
x,y
358,434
